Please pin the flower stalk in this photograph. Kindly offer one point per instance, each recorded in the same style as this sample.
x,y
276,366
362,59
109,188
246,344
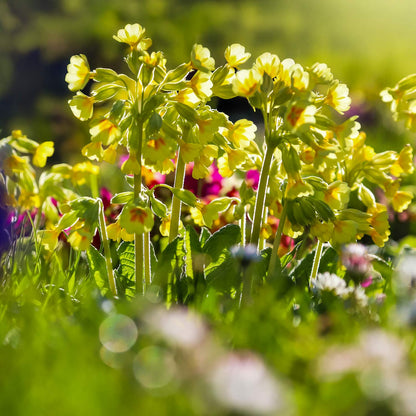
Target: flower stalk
x,y
107,252
316,259
274,271
138,238
261,196
176,202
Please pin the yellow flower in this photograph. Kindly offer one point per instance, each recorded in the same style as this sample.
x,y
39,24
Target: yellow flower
x,y
190,151
201,85
201,58
230,161
14,164
80,239
82,106
345,231
116,233
236,55
188,97
401,200
82,171
297,188
299,77
404,162
131,166
133,35
322,230
154,59
247,82
78,72
28,200
322,72
49,238
241,133
337,195
285,71
380,230
93,151
298,115
105,131
110,154
157,151
136,219
338,97
269,64
43,151
202,162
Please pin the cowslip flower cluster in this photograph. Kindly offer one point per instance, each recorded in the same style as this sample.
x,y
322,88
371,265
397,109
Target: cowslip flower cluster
x,y
296,182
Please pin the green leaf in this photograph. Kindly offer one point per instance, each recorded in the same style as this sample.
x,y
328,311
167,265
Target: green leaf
x,y
224,275
86,208
221,241
166,263
98,269
126,255
126,270
204,235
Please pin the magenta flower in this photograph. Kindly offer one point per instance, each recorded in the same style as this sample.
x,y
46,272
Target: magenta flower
x,y
252,179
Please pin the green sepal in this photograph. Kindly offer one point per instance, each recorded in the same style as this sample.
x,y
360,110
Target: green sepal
x,y
219,75
185,196
177,74
158,207
135,219
188,113
105,75
105,92
123,198
211,211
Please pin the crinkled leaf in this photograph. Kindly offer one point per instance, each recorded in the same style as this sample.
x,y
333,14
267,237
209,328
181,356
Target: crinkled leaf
x,y
98,268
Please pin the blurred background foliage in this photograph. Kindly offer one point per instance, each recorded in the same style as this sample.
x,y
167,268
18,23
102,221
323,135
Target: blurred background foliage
x,y
368,44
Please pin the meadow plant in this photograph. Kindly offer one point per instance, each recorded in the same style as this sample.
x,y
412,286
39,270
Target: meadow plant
x,y
309,177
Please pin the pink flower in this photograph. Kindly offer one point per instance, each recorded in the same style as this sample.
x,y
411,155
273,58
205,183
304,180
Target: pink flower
x,y
252,179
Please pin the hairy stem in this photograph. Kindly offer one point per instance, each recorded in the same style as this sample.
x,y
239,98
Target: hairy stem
x,y
261,196
176,202
147,265
317,259
107,252
274,257
138,238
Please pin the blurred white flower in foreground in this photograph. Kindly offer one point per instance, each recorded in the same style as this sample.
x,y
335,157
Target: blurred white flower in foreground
x,y
178,326
329,282
242,382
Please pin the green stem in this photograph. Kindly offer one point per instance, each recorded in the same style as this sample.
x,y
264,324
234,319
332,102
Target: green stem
x,y
107,251
176,202
317,259
274,257
261,196
247,284
243,229
147,265
138,238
